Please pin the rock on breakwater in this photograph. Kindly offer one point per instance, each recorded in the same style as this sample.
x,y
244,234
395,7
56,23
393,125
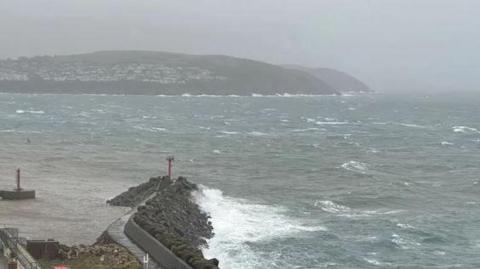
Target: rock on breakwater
x,y
135,195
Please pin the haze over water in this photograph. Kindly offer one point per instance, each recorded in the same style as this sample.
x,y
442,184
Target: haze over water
x,y
371,181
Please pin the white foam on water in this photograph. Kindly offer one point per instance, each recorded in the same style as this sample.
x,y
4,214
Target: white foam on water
x,y
372,261
256,133
404,243
345,211
159,129
331,122
332,207
405,226
411,125
446,143
150,129
305,130
216,151
464,129
355,166
238,223
148,117
229,132
20,111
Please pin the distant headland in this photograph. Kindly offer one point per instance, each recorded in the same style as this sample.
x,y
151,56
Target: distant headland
x,y
164,73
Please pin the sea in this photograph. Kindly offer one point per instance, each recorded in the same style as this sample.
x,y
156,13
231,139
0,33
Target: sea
x,y
353,181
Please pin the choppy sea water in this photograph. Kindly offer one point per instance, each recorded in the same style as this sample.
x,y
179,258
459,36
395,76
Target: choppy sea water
x,y
370,181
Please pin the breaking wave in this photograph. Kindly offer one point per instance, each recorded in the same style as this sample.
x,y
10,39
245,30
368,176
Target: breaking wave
x,y
237,223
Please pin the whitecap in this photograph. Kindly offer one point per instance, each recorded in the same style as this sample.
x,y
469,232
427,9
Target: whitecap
x,y
331,207
256,133
331,122
19,111
412,125
305,130
229,132
372,261
355,166
216,151
148,117
159,129
186,95
405,226
446,143
464,129
150,129
403,243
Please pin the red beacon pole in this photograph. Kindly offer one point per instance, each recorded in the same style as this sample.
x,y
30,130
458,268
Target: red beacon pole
x,y
170,160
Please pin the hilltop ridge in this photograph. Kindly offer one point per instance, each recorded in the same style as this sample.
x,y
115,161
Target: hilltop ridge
x,y
149,72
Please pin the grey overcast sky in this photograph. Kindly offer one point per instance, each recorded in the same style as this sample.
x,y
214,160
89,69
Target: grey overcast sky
x,y
390,44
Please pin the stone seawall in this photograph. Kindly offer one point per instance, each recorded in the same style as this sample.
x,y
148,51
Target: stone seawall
x,y
148,243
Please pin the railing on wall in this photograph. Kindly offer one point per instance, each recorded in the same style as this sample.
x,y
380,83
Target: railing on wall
x,y
11,240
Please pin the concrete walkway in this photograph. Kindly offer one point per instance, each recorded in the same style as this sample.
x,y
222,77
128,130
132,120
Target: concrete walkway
x,y
3,263
116,230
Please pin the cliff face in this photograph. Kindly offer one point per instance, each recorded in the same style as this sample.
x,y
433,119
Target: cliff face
x,y
338,80
144,72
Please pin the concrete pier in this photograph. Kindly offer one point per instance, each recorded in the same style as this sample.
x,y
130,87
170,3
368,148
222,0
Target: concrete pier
x,y
17,194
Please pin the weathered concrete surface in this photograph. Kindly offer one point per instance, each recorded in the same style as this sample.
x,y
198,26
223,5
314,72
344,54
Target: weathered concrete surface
x,y
159,252
3,263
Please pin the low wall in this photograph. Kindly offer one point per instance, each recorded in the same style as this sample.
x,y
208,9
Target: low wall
x,y
166,258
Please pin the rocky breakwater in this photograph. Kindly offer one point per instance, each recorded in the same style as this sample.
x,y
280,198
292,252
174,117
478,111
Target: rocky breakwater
x,y
177,222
